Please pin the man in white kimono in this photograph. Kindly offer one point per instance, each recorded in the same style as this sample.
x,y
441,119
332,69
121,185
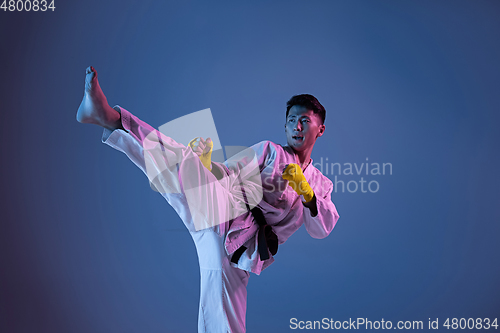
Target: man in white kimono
x,y
237,215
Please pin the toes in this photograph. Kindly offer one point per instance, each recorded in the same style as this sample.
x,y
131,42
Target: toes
x,y
90,75
90,70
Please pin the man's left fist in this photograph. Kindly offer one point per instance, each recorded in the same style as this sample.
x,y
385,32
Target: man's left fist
x,y
297,181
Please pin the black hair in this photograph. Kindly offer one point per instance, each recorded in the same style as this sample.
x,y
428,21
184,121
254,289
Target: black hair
x,y
309,102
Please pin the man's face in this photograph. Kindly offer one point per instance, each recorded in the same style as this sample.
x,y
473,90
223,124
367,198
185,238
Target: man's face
x,y
302,128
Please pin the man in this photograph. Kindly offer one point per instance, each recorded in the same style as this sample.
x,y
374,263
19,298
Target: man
x,y
248,214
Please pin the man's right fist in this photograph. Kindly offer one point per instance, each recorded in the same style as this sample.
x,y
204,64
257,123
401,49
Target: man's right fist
x,y
203,149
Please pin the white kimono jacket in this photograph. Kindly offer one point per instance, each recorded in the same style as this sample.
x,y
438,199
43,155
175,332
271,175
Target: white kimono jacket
x,y
281,205
167,164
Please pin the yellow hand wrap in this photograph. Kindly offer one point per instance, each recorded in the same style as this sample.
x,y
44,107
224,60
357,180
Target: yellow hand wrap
x,y
297,181
205,157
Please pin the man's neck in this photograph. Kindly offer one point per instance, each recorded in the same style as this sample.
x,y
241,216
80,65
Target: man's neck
x,y
303,157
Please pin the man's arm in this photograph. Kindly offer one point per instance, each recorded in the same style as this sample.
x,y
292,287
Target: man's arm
x,y
321,215
322,218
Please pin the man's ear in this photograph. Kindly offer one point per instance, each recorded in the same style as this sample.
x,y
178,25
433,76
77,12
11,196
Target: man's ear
x,y
321,131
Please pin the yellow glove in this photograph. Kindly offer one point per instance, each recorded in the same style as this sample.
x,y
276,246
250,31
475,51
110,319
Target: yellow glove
x,y
203,149
293,173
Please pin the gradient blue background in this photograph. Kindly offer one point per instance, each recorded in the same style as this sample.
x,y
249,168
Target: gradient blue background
x,y
87,246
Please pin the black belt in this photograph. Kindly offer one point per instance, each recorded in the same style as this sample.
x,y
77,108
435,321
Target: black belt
x,y
267,239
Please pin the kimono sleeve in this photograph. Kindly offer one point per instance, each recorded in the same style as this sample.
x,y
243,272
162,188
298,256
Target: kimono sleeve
x,y
151,151
323,223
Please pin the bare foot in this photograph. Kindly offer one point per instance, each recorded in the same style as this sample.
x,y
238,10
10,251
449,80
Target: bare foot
x,y
94,108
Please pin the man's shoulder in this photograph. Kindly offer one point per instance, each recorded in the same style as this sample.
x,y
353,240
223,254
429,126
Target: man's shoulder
x,y
318,175
321,184
267,143
317,172
267,147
